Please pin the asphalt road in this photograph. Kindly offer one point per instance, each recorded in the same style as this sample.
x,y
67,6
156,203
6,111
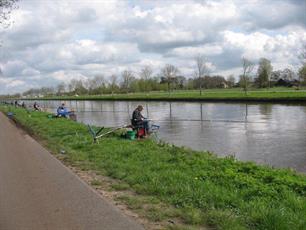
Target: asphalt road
x,y
39,192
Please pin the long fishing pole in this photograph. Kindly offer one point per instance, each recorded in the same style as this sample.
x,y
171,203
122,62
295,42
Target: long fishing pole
x,y
164,120
206,120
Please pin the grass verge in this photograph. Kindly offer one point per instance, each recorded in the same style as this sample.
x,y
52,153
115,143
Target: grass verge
x,y
197,188
235,95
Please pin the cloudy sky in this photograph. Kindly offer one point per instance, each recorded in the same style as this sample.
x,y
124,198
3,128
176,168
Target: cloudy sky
x,y
55,41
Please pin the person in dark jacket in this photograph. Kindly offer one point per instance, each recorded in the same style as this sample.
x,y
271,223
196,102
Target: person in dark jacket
x,y
138,119
36,106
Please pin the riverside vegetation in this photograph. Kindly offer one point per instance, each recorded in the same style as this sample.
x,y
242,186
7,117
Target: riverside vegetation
x,y
202,189
272,95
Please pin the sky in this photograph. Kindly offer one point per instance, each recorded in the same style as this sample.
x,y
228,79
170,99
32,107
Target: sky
x,y
54,41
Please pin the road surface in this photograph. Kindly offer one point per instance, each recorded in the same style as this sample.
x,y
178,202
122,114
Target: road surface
x,y
39,192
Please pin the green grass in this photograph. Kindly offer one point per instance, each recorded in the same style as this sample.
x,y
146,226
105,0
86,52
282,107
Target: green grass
x,y
206,190
273,94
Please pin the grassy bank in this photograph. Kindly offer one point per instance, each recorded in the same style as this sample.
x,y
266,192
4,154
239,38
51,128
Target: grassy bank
x,y
272,95
202,189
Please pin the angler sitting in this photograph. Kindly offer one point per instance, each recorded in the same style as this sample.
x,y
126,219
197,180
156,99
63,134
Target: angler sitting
x,y
139,121
36,107
62,111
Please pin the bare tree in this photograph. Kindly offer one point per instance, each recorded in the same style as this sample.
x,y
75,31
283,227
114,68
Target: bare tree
x,y
97,82
127,77
113,82
247,67
77,87
231,80
6,7
302,70
146,74
60,89
201,69
302,55
169,72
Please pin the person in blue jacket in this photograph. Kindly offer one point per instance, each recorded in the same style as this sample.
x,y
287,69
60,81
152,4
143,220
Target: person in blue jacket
x,y
62,111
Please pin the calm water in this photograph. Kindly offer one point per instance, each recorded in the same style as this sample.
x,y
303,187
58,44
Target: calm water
x,y
265,133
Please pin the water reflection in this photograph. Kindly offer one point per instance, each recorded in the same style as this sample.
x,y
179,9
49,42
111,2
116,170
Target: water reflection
x,y
264,133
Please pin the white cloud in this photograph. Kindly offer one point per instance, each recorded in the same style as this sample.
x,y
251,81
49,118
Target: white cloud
x,y
66,76
55,41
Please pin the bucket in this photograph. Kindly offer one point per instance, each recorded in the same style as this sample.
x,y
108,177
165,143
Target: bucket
x,y
10,114
131,134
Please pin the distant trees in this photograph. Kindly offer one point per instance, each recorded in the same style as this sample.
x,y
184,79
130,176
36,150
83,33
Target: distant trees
x,y
231,81
263,73
169,79
146,74
282,77
127,78
113,83
60,89
169,73
247,68
201,70
302,70
302,75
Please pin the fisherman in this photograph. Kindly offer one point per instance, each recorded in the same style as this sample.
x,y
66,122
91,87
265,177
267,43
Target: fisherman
x,y
36,106
138,120
62,111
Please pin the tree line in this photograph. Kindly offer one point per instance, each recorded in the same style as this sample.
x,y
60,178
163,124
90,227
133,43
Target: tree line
x,y
170,78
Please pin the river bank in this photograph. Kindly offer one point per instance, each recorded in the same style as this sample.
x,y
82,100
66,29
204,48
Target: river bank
x,y
197,188
221,95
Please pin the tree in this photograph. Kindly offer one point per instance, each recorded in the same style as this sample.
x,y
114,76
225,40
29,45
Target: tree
x,y
302,75
247,67
180,82
113,83
169,73
77,87
264,73
96,85
60,89
6,7
127,77
302,70
201,69
302,55
231,81
146,74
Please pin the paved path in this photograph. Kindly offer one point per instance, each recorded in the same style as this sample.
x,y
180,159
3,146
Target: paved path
x,y
38,192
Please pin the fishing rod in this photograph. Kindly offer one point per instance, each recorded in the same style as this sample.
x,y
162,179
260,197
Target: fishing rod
x,y
163,120
100,133
89,111
208,120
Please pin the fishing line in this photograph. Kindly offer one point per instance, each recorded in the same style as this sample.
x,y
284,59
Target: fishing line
x,y
209,120
166,120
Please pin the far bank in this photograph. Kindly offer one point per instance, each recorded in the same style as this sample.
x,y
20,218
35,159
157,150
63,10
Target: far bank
x,y
230,95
